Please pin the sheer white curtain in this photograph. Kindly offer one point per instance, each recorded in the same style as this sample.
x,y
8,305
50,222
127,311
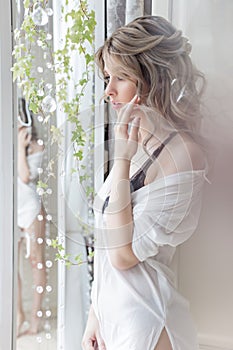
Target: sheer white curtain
x,y
120,12
73,283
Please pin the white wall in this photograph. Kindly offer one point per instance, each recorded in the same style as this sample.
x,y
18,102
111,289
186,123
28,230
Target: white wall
x,y
206,261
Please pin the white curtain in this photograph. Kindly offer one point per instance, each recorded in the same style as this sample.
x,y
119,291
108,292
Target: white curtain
x,y
73,283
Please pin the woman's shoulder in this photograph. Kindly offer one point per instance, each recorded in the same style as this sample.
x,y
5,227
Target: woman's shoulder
x,y
180,155
189,153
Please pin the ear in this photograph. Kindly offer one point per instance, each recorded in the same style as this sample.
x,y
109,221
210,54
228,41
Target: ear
x,y
138,100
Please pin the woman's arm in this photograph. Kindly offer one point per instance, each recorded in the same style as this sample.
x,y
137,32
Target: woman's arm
x,y
120,219
119,211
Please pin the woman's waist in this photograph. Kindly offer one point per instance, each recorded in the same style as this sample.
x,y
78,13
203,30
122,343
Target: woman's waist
x,y
121,289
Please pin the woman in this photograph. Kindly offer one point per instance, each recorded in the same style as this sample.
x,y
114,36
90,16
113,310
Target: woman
x,y
149,204
31,215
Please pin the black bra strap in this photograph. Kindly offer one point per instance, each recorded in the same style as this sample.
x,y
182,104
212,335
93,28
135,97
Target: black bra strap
x,y
154,155
137,180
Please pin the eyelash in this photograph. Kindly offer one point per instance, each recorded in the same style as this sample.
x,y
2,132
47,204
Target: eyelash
x,y
107,78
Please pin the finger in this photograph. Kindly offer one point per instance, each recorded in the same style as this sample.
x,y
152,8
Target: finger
x,y
126,111
100,341
88,345
29,136
133,136
22,131
25,134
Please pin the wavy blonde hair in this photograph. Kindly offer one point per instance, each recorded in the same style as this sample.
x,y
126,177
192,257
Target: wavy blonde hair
x,y
152,51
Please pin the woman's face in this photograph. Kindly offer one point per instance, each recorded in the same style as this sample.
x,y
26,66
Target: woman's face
x,y
120,89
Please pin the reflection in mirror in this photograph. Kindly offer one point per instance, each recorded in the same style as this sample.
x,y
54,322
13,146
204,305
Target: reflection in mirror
x,y
36,300
51,80
31,218
36,321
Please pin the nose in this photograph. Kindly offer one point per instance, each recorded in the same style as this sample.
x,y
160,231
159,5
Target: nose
x,y
110,89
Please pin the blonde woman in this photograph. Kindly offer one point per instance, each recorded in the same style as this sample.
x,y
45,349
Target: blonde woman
x,y
150,202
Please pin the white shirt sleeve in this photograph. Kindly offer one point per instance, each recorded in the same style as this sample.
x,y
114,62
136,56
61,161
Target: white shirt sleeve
x,y
166,212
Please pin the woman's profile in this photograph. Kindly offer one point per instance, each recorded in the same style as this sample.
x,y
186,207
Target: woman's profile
x,y
31,216
151,200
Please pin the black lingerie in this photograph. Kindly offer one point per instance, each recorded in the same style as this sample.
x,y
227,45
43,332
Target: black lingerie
x,y
138,179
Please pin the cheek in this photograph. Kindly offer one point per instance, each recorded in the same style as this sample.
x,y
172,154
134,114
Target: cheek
x,y
131,91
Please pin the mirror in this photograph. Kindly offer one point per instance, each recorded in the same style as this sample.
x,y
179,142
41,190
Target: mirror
x,y
36,323
49,295
37,271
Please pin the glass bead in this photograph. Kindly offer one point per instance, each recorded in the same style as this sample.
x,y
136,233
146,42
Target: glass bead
x,y
40,92
49,104
48,241
49,36
40,142
48,86
40,191
40,170
39,289
39,313
49,11
39,339
40,217
48,313
40,69
49,65
39,42
48,263
40,118
39,16
40,240
48,336
40,266
49,217
49,289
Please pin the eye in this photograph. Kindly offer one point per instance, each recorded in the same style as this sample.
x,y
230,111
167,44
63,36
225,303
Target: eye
x,y
106,79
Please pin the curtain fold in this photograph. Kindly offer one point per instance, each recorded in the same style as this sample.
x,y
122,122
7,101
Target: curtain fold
x,y
120,12
134,9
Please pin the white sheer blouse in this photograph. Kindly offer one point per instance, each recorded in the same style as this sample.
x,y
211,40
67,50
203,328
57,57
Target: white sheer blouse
x,y
133,306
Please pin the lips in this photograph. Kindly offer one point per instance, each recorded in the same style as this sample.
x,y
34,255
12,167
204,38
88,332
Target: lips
x,y
116,105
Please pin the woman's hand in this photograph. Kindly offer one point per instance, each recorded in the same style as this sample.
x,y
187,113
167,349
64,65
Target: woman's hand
x,y
126,142
23,141
24,138
92,339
